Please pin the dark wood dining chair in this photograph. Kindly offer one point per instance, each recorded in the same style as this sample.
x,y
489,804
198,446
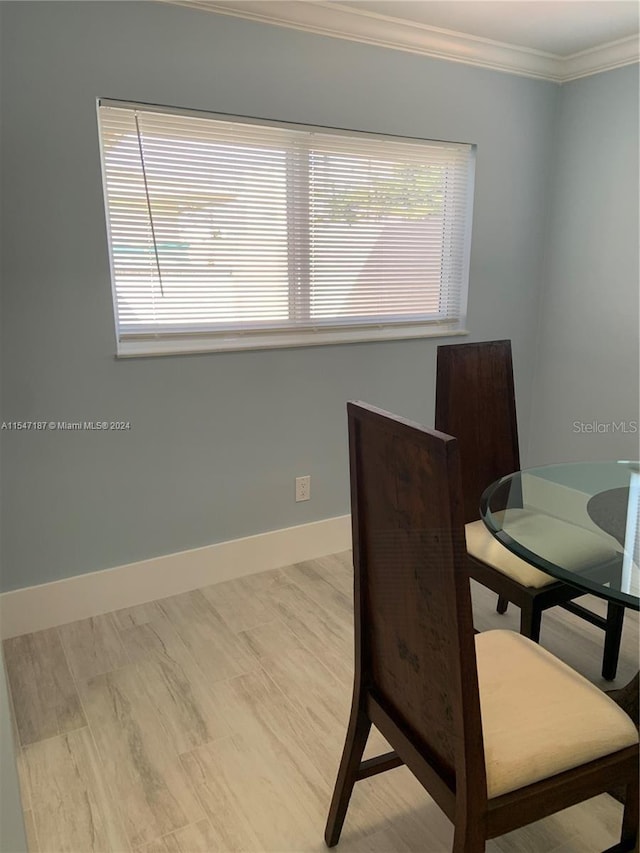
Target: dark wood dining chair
x,y
475,402
498,731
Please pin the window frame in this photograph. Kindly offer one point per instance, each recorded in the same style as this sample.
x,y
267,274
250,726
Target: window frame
x,y
175,343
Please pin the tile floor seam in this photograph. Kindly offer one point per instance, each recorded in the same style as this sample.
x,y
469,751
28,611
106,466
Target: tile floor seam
x,y
306,648
98,754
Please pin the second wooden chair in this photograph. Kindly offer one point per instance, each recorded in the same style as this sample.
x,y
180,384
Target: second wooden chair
x,y
475,402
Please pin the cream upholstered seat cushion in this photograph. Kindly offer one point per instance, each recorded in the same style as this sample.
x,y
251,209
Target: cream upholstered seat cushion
x,y
557,541
539,717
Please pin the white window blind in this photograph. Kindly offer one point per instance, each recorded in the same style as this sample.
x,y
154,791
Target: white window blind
x,y
234,234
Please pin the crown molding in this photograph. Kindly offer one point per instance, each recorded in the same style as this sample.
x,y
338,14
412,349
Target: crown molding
x,y
605,57
360,25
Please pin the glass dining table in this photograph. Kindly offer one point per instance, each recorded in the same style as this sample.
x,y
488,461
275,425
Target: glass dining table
x,y
532,513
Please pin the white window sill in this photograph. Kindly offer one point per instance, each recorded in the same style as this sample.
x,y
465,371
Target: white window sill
x,y
182,345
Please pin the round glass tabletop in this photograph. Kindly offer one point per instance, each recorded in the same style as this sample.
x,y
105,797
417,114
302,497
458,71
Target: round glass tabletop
x,y
579,522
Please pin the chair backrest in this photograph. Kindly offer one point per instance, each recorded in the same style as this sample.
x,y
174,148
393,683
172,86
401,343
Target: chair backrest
x,y
414,633
475,402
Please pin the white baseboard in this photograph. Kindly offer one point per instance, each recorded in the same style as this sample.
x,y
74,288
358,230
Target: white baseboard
x,y
34,608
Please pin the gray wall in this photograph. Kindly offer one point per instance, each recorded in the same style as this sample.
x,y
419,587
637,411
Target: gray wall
x,y
587,368
217,439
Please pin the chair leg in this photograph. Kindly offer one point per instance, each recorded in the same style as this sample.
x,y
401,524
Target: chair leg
x,y
530,619
503,603
612,638
357,734
468,839
629,835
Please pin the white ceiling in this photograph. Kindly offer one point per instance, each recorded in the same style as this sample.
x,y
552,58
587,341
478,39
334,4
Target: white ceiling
x,y
562,27
557,40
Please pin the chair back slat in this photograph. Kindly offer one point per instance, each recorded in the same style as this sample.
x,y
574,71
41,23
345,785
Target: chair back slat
x,y
414,628
475,402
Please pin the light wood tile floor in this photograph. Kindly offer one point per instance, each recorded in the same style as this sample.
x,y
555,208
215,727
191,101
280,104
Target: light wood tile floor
x,y
214,721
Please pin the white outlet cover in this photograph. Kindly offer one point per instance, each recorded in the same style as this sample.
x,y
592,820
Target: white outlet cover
x,y
303,488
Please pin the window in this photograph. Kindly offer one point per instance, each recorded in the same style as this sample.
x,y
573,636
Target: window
x,y
240,234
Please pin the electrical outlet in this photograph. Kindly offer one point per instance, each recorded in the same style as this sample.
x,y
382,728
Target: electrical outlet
x,y
303,488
